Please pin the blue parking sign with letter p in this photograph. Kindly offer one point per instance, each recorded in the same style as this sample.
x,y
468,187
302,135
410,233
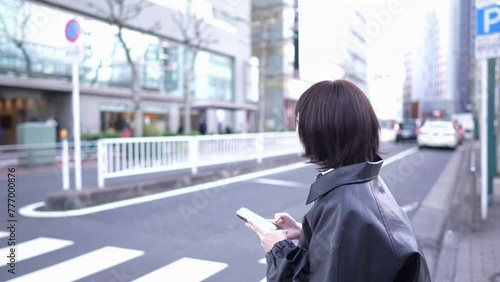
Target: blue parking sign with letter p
x,y
488,20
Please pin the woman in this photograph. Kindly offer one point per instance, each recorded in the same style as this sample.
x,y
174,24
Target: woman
x,y
355,231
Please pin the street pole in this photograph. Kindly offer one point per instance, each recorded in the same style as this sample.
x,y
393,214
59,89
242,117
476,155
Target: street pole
x,y
488,150
491,125
76,125
484,139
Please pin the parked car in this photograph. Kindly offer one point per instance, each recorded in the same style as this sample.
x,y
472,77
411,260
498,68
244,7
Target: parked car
x,y
406,130
438,133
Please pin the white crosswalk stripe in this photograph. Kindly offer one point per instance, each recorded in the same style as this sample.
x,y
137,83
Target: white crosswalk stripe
x,y
35,247
82,266
185,269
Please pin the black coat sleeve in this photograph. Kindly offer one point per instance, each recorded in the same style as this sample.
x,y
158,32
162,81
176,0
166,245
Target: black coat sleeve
x,y
287,263
414,270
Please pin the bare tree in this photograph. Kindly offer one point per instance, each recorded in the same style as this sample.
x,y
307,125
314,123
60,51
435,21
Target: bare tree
x,y
195,37
119,13
18,31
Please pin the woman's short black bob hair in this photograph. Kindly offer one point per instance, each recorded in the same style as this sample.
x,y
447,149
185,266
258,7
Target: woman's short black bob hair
x,y
337,125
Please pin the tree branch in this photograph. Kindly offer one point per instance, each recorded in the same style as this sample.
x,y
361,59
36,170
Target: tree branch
x,y
133,11
99,10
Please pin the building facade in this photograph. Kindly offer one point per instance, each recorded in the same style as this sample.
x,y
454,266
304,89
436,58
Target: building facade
x,y
407,101
275,43
436,63
463,100
35,76
336,46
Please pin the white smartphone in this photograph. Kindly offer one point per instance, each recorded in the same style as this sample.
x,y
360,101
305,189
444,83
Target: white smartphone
x,y
247,214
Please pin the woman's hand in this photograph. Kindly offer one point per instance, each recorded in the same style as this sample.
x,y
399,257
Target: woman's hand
x,y
293,228
267,237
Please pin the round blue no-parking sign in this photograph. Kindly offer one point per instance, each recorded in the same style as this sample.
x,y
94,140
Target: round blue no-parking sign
x,y
72,30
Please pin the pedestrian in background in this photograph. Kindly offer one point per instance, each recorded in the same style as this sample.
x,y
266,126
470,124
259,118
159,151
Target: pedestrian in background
x,y
355,231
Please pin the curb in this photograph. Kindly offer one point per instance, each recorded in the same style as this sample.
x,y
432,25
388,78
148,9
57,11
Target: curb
x,y
430,220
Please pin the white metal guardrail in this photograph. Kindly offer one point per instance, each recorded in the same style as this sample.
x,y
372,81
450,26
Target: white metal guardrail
x,y
133,156
41,154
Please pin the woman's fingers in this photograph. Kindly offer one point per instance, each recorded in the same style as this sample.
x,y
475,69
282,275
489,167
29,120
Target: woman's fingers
x,y
257,228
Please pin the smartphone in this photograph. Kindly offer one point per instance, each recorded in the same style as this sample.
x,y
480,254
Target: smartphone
x,y
247,214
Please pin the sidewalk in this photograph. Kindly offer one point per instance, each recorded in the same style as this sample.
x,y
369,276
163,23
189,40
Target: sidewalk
x,y
478,256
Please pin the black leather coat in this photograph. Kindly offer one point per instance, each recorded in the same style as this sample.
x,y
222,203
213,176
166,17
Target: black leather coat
x,y
355,231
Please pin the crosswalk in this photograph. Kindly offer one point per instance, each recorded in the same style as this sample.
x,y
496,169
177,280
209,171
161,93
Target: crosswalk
x,y
83,266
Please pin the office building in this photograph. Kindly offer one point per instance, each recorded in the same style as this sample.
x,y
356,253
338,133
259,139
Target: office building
x,y
35,77
275,43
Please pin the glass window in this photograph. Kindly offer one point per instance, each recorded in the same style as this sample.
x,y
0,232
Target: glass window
x,y
214,77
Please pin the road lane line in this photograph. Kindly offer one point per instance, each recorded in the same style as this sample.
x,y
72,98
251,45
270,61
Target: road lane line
x,y
30,210
263,261
35,247
185,269
400,156
82,266
4,234
280,182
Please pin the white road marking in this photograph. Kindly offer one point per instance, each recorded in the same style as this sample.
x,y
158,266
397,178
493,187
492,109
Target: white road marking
x,y
263,280
82,266
4,234
30,210
280,182
33,248
184,269
408,208
400,156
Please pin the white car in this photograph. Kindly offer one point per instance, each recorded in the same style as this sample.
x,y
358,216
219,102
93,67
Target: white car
x,y
437,133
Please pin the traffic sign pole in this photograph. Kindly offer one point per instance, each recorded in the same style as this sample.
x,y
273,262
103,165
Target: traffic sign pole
x,y
487,50
72,33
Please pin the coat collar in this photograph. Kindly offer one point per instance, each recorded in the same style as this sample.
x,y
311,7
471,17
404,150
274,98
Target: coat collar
x,y
356,173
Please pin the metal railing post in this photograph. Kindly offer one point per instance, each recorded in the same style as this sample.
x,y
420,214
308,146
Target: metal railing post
x,y
193,154
102,162
65,160
259,145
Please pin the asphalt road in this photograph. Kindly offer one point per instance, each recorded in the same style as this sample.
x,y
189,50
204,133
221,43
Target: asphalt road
x,y
189,236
